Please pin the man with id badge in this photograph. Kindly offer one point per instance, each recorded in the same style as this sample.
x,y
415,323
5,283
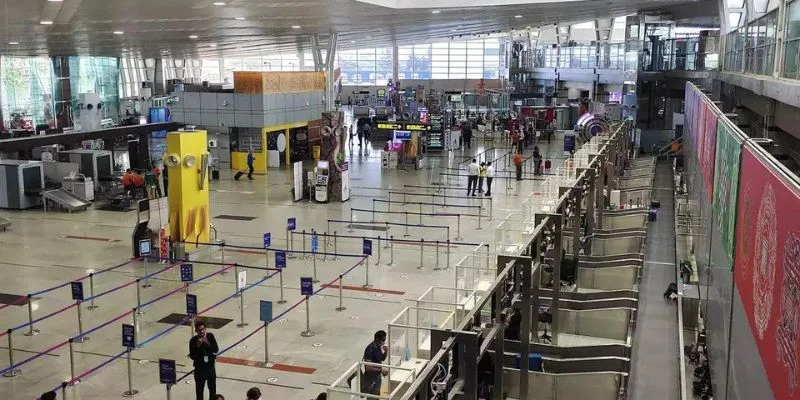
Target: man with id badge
x,y
203,352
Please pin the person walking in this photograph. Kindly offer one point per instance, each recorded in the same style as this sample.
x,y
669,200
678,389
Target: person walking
x,y
203,351
466,132
473,170
481,177
251,158
537,161
518,164
489,178
375,353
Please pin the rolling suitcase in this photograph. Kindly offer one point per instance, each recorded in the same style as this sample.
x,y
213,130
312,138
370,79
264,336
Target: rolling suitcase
x,y
238,175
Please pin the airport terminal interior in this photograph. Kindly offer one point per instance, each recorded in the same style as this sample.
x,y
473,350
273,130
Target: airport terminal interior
x,y
373,199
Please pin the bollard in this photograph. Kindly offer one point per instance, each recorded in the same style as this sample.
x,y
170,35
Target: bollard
x,y
436,267
341,301
421,263
366,273
131,392
31,330
378,261
13,371
80,338
72,380
91,291
335,246
139,297
406,234
307,332
280,279
266,345
241,324
303,256
391,251
447,257
458,229
146,277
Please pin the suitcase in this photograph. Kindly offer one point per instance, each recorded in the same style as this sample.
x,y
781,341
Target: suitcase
x,y
547,164
238,175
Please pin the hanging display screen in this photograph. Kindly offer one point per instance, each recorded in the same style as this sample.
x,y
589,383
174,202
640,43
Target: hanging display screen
x,y
436,133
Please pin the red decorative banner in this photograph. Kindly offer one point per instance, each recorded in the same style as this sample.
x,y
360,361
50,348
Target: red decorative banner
x,y
767,270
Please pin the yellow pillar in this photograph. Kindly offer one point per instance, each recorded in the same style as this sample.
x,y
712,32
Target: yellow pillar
x,y
189,219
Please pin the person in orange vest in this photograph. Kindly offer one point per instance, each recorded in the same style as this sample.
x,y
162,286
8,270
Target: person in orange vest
x,y
138,184
518,164
127,181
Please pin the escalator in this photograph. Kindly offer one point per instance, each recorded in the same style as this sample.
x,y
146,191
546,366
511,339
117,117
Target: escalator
x,y
66,200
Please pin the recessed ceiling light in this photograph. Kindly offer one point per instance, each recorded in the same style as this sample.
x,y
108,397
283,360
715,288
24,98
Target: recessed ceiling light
x,y
296,26
352,41
13,43
219,3
118,32
46,22
435,12
518,16
192,36
55,1
213,45
369,37
453,30
240,18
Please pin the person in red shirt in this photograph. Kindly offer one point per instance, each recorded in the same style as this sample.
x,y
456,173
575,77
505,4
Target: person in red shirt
x,y
127,181
138,183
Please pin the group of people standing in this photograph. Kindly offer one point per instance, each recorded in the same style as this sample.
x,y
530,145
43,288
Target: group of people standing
x,y
476,174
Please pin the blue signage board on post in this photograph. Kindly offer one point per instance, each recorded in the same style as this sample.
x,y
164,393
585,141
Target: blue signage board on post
x,y
187,273
314,243
144,247
166,372
569,142
191,304
128,336
77,290
306,286
291,224
280,259
367,247
266,311
267,240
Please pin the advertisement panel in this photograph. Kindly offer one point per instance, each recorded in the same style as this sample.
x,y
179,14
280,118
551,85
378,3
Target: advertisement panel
x,y
767,269
726,187
709,146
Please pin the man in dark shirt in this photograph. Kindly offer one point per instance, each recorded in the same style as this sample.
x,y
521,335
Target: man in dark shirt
x,y
374,353
203,350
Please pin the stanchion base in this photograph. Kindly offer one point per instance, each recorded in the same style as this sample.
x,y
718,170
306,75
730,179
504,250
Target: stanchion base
x,y
377,264
366,286
236,294
75,382
405,235
130,393
437,269
391,264
32,333
335,258
341,308
81,339
146,285
269,365
307,334
459,238
13,373
139,312
316,281
420,268
281,301
92,307
242,324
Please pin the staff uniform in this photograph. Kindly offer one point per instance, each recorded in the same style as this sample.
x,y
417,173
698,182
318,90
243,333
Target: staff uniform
x,y
489,178
473,169
203,355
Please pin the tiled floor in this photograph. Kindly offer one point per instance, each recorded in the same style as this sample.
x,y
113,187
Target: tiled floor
x,y
43,250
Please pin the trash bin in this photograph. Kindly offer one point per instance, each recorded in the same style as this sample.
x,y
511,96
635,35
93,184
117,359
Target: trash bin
x,y
315,151
178,251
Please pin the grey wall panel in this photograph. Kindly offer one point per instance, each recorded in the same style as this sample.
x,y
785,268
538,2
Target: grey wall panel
x,y
747,378
191,100
208,101
225,101
242,102
225,119
208,118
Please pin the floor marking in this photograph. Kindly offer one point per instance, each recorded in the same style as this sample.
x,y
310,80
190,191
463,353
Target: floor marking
x,y
96,239
260,364
251,381
232,191
21,265
363,289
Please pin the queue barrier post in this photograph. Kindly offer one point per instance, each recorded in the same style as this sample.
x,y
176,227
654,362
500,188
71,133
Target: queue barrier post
x,y
12,372
222,250
31,330
341,297
458,228
92,306
307,333
64,389
169,391
236,280
391,251
421,262
373,210
288,246
351,230
387,231
72,380
146,277
80,338
139,298
437,267
378,261
266,345
291,245
303,256
479,222
135,322
447,257
241,323
325,246
366,273
131,392
314,260
280,278
335,247
406,234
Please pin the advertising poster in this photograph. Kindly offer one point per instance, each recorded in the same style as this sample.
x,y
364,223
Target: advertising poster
x,y
767,270
709,146
297,180
726,187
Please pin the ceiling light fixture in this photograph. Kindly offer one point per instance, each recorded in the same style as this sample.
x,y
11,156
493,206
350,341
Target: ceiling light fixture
x,y
296,26
13,43
213,45
240,18
119,32
54,1
435,12
352,41
192,36
518,16
46,22
219,3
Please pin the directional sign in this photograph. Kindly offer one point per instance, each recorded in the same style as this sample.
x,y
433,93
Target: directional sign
x,y
241,280
267,240
266,311
314,243
166,371
280,259
306,286
417,127
77,290
128,336
291,224
191,304
187,273
389,126
367,247
144,247
402,135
